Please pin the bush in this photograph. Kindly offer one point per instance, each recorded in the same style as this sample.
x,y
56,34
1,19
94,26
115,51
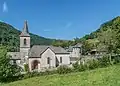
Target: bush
x,y
63,69
116,59
76,66
79,67
34,74
92,64
26,67
82,67
8,72
104,61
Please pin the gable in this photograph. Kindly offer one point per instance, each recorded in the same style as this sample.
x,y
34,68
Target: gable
x,y
48,52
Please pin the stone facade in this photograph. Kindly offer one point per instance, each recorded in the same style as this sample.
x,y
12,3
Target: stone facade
x,y
48,57
75,52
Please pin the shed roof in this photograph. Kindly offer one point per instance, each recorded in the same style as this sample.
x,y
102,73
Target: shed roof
x,y
14,55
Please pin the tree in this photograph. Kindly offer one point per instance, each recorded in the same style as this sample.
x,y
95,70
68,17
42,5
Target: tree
x,y
108,38
8,72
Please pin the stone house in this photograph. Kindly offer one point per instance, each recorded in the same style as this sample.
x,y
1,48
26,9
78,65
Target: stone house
x,y
75,52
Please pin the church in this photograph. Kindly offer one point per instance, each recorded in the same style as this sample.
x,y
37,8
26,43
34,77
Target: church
x,y
40,57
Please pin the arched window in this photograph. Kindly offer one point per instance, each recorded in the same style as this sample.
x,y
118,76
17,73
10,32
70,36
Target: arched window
x,y
48,60
60,59
25,42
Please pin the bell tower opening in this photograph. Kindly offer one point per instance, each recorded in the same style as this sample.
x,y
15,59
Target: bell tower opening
x,y
25,41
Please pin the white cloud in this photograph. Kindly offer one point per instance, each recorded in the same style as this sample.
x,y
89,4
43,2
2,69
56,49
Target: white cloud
x,y
5,7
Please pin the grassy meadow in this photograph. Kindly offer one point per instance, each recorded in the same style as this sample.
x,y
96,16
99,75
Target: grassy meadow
x,y
109,76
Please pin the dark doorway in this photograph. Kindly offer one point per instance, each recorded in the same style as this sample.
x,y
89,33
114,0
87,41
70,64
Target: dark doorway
x,y
35,64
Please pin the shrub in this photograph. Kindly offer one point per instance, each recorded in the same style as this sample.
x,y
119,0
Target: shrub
x,y
63,69
104,61
26,67
92,64
76,66
116,59
8,72
82,67
34,74
79,67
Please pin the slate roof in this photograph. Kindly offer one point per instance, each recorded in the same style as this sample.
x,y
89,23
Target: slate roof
x,y
14,55
25,31
37,50
70,49
78,45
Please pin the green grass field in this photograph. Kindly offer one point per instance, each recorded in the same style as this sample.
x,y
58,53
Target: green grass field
x,y
109,76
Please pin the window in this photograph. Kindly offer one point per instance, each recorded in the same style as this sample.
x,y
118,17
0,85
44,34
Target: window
x,y
60,59
25,41
14,62
48,60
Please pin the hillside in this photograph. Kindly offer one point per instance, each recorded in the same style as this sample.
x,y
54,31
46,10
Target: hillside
x,y
10,36
105,38
99,77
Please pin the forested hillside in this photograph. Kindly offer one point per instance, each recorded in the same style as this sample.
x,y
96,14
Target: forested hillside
x,y
106,38
9,36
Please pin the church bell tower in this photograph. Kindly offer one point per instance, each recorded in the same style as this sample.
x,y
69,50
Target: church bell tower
x,y
25,40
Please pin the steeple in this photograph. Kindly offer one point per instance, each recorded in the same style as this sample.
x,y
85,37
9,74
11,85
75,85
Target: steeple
x,y
25,31
25,40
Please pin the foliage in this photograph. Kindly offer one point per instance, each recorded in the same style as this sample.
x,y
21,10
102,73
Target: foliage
x,y
62,43
104,61
8,72
26,67
79,67
63,69
75,65
82,67
34,74
116,59
108,35
93,63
